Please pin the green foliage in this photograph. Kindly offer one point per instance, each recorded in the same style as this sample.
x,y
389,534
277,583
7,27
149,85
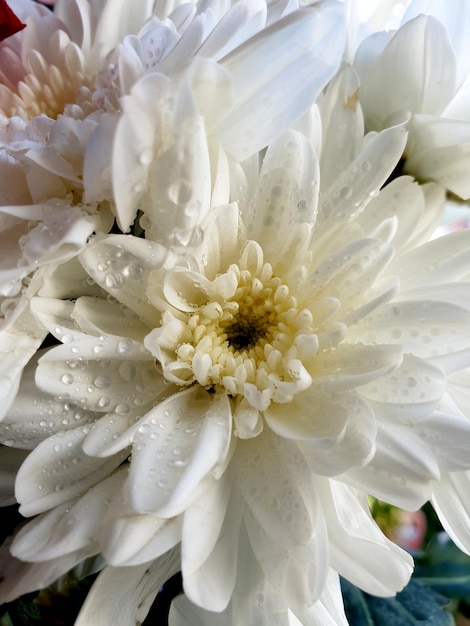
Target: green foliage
x,y
416,605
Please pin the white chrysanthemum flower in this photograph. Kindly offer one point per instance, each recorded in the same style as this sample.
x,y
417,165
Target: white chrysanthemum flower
x,y
421,72
183,123
290,310
50,65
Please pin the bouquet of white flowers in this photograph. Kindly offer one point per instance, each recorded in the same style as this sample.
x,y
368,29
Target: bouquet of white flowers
x,y
227,324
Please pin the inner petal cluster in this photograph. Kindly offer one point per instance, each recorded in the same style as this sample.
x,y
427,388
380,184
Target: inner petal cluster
x,y
242,333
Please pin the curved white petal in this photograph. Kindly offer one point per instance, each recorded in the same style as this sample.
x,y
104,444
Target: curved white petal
x,y
450,500
308,45
124,595
359,551
57,470
189,434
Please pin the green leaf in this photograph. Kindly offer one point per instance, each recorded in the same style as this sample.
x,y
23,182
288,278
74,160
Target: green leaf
x,y
444,568
416,605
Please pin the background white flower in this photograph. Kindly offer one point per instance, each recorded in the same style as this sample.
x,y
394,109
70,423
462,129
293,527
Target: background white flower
x,y
421,71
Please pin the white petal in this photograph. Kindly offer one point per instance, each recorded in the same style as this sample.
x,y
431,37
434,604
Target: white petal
x,y
212,583
272,491
341,115
402,198
308,567
416,72
450,500
184,613
241,21
57,470
304,418
286,195
456,19
442,260
308,45
354,449
101,374
221,243
426,329
186,290
20,578
359,551
113,432
69,527
351,191
441,152
96,316
189,431
202,523
56,316
448,436
136,539
402,471
328,609
180,178
123,595
410,392
34,415
122,264
18,343
352,365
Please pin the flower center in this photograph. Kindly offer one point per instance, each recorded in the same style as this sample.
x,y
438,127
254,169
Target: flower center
x,y
245,333
246,336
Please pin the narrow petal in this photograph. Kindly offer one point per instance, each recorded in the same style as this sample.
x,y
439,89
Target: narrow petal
x,y
353,189
410,392
426,329
18,343
189,431
366,558
355,448
204,519
19,578
212,583
450,500
124,595
271,492
442,260
286,195
57,470
136,539
402,471
309,44
69,527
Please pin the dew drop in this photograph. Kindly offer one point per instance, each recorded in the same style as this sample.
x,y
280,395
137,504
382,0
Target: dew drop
x,y
146,156
127,371
67,379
